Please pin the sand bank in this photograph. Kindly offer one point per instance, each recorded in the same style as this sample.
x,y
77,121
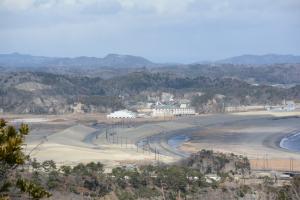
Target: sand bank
x,y
253,134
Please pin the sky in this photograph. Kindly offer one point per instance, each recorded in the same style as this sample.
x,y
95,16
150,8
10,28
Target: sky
x,y
161,30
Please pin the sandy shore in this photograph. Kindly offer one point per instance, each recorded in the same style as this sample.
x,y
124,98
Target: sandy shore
x,y
255,138
75,138
258,139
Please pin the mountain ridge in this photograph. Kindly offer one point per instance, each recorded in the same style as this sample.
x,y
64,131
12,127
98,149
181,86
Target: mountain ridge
x,y
251,59
110,60
17,60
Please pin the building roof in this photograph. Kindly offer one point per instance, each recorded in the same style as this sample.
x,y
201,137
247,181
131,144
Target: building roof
x,y
165,107
122,113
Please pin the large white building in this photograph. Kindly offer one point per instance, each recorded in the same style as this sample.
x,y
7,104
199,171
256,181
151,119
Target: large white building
x,y
122,114
168,110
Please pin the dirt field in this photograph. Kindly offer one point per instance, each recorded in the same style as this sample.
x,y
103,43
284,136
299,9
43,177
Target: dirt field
x,y
69,139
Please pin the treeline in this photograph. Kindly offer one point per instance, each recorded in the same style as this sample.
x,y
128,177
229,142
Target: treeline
x,y
55,93
262,74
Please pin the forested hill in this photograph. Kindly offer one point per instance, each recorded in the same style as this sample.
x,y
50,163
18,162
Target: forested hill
x,y
262,74
36,92
273,69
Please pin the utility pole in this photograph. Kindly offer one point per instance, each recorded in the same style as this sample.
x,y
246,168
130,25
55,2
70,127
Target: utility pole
x,y
106,133
291,164
267,161
162,191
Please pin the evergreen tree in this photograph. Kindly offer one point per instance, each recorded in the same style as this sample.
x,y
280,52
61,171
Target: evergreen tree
x,y
11,159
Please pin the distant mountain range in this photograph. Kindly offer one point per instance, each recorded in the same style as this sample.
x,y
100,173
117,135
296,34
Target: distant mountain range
x,y
261,59
17,60
111,60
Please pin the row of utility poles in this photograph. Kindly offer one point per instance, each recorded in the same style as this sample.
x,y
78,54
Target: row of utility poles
x,y
266,165
112,137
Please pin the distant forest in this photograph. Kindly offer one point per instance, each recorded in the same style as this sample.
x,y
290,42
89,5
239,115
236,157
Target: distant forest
x,y
40,92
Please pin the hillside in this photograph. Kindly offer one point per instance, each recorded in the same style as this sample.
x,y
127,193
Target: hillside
x,y
36,92
260,74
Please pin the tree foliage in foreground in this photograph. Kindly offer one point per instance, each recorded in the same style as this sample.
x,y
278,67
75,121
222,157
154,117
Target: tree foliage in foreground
x,y
12,184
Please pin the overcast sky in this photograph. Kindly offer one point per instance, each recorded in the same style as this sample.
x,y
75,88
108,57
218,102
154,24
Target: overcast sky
x,y
160,30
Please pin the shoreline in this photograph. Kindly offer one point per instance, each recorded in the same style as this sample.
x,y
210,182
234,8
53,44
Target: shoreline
x,y
251,134
286,137
239,138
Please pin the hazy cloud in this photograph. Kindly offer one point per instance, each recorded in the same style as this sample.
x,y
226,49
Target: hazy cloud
x,y
163,30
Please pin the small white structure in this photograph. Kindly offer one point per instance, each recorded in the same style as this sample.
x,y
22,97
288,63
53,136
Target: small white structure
x,y
209,178
183,105
122,114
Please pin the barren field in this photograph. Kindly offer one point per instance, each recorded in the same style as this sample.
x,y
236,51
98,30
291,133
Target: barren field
x,y
82,138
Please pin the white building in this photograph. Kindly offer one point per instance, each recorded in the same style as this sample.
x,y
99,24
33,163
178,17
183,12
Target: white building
x,y
286,107
167,111
244,108
122,114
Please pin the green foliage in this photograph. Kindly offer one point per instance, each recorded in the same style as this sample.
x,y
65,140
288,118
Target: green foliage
x,y
120,174
173,177
33,190
125,195
36,177
242,165
35,164
243,190
284,193
137,180
5,187
91,168
147,192
11,157
268,181
66,170
11,142
49,165
53,180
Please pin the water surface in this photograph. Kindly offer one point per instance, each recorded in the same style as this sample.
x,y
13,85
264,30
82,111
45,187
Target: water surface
x,y
291,142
